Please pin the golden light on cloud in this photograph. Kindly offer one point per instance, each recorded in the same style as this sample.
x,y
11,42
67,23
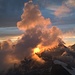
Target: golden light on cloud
x,y
35,57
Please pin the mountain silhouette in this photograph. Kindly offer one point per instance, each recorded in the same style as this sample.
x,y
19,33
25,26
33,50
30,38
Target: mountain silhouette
x,y
52,66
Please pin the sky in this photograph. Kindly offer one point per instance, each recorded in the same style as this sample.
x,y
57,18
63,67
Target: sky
x,y
27,26
60,12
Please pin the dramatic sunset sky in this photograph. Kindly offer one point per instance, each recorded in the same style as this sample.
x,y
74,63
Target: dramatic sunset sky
x,y
60,12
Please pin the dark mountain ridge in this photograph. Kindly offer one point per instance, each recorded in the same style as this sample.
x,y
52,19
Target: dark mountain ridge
x,y
52,65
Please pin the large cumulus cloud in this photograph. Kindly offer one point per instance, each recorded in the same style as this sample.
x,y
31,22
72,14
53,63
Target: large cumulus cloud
x,y
32,17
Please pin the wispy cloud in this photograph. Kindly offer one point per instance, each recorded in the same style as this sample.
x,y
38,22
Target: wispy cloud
x,y
62,11
52,7
70,3
65,8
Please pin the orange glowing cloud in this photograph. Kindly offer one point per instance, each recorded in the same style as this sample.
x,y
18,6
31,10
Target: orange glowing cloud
x,y
32,17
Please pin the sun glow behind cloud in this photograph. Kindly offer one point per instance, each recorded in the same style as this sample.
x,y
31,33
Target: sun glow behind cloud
x,y
36,50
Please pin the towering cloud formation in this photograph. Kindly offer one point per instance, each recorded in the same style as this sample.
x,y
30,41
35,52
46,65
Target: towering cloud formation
x,y
37,32
31,17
